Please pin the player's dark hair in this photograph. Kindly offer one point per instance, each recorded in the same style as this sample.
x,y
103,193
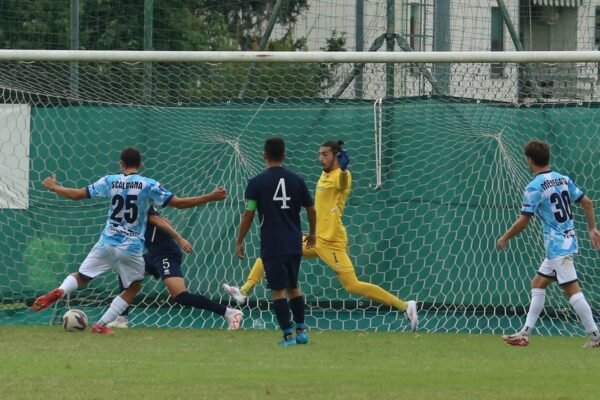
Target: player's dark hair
x,y
131,157
274,149
334,145
538,151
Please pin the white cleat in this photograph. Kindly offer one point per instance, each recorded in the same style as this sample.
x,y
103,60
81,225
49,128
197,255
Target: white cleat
x,y
121,322
234,292
591,344
234,317
411,314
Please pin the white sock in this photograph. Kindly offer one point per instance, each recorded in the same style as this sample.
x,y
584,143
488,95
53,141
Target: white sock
x,y
116,308
538,297
583,309
229,312
69,284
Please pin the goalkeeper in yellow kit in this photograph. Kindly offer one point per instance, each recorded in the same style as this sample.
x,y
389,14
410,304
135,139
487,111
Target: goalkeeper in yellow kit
x,y
331,194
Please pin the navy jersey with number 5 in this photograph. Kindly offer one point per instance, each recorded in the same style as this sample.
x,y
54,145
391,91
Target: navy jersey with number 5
x,y
279,194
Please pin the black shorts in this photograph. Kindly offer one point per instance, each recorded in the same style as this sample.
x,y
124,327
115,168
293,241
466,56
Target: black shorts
x,y
282,271
164,265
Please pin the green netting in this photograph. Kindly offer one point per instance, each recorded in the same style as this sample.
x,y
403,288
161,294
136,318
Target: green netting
x,y
452,178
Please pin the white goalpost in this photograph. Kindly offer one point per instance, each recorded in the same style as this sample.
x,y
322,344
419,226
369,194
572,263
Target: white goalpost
x,y
437,163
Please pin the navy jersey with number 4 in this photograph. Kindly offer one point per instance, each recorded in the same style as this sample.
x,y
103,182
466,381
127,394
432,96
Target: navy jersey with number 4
x,y
279,194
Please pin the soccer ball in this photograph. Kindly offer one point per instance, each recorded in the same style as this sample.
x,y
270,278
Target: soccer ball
x,y
74,320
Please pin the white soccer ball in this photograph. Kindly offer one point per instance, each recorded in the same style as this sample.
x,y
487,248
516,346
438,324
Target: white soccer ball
x,y
74,321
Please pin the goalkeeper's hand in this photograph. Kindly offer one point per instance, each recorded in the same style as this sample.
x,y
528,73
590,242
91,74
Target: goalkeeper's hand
x,y
343,159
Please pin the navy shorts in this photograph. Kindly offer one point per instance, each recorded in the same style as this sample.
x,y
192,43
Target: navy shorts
x,y
282,271
165,265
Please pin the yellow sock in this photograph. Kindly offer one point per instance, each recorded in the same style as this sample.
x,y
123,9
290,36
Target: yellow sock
x,y
399,304
370,291
255,276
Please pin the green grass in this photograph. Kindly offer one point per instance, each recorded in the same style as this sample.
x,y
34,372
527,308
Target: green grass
x,y
41,362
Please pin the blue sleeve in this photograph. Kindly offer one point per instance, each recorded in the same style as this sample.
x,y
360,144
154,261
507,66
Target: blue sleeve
x,y
307,199
159,196
531,199
251,190
98,189
575,193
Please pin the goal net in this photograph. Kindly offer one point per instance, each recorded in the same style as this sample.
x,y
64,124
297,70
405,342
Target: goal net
x,y
437,164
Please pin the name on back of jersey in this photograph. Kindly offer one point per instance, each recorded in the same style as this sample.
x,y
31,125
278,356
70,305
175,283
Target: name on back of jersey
x,y
127,185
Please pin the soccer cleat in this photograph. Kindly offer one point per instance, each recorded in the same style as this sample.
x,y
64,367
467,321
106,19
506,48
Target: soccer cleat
x,y
101,330
235,292
591,344
302,337
411,314
516,339
235,320
122,322
289,342
47,300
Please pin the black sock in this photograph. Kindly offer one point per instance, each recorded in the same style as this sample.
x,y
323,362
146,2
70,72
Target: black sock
x,y
198,301
297,307
282,312
121,288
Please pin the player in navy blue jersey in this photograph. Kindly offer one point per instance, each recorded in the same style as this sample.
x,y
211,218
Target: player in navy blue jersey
x,y
549,196
130,196
278,195
163,260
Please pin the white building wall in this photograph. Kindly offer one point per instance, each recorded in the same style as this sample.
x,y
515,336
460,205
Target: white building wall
x,y
470,30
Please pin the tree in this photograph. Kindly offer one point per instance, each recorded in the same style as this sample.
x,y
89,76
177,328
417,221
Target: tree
x,y
246,20
184,25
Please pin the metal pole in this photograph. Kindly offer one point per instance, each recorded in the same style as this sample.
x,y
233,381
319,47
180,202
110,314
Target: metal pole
x,y
519,46
360,45
398,57
74,45
262,44
390,31
358,67
405,46
148,28
441,42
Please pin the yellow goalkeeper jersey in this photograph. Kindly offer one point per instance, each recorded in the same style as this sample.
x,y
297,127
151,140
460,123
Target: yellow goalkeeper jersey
x,y
330,198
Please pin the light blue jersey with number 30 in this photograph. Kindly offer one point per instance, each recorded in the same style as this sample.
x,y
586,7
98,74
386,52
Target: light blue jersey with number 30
x,y
549,196
131,196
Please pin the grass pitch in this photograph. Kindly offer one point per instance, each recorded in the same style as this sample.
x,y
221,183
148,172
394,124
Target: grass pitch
x,y
42,362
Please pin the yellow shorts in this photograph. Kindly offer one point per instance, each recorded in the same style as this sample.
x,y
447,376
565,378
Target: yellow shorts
x,y
333,256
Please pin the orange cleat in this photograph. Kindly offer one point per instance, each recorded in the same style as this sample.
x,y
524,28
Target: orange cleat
x,y
45,301
101,330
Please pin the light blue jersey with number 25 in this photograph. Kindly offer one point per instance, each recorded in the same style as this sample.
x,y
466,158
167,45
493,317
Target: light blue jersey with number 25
x,y
550,196
131,196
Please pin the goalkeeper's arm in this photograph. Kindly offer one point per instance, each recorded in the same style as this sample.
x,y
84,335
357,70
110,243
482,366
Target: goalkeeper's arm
x,y
343,160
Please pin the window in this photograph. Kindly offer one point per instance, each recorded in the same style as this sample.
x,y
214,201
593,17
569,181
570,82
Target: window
x,y
497,41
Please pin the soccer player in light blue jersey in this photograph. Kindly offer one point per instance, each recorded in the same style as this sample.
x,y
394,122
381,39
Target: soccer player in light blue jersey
x,y
163,260
130,196
549,196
